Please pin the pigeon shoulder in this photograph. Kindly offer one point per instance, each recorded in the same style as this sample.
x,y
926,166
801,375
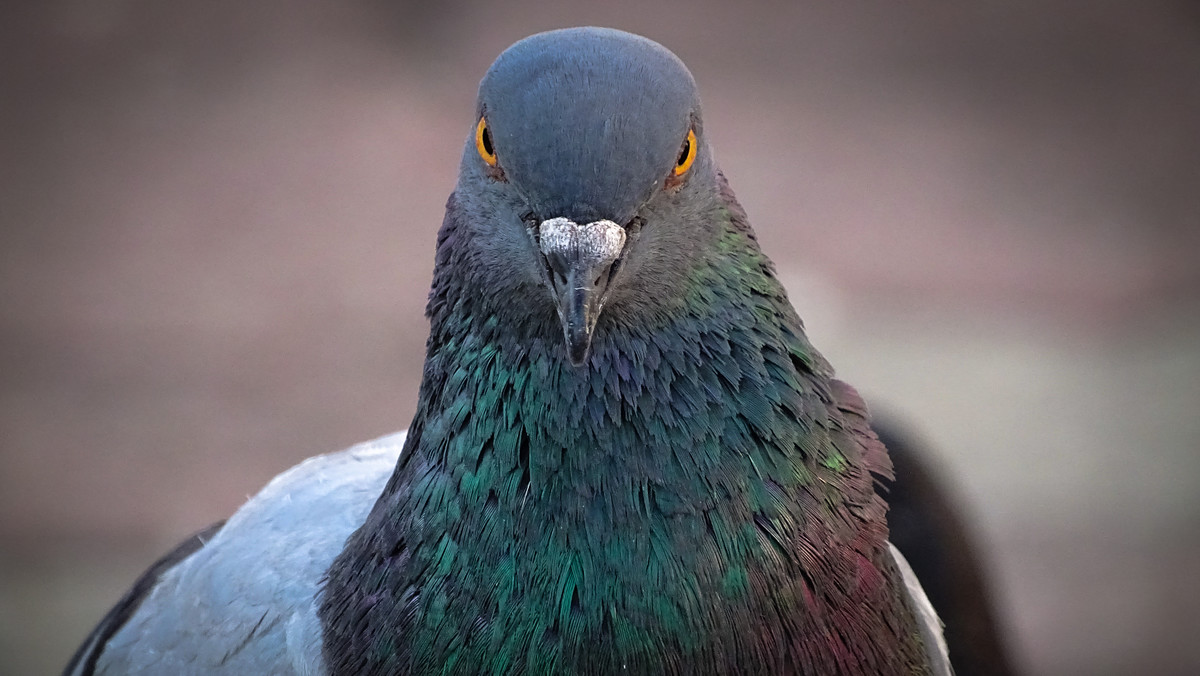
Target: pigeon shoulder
x,y
83,662
928,622
240,597
857,421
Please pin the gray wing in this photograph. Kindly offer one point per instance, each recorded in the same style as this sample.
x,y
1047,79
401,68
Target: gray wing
x,y
244,602
927,619
83,663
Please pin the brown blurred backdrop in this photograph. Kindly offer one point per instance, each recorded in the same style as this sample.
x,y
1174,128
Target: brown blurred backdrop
x,y
217,223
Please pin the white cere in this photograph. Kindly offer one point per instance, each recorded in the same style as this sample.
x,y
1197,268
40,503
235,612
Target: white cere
x,y
598,243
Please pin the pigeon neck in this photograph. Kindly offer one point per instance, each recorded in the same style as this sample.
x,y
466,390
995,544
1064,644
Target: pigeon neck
x,y
674,501
651,415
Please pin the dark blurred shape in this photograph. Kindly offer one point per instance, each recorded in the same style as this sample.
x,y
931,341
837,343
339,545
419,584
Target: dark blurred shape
x,y
928,527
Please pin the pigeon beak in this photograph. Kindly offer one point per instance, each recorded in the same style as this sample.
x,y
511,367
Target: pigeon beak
x,y
580,261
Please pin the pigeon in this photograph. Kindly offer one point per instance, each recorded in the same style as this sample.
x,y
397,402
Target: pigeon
x,y
626,455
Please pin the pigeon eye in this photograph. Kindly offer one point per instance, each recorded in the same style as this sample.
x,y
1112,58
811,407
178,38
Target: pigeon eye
x,y
687,154
483,142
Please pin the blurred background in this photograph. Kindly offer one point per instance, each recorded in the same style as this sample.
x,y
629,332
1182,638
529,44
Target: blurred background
x,y
217,223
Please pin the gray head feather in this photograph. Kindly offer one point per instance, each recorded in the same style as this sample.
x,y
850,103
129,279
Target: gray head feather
x,y
588,121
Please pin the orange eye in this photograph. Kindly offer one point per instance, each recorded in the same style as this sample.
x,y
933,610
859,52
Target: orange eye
x,y
687,154
483,142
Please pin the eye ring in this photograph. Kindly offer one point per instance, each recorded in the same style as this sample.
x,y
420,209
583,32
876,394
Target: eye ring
x,y
687,154
483,142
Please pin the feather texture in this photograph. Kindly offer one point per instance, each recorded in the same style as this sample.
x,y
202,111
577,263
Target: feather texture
x,y
244,602
698,498
689,490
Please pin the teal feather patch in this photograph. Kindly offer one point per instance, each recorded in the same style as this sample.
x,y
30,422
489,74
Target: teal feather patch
x,y
688,490
689,498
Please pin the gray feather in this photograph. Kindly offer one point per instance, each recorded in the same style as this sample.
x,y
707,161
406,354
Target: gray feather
x,y
245,602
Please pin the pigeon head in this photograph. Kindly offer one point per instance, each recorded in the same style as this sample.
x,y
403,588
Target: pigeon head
x,y
586,173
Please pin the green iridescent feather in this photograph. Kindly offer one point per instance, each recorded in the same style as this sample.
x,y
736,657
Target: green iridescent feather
x,y
697,498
